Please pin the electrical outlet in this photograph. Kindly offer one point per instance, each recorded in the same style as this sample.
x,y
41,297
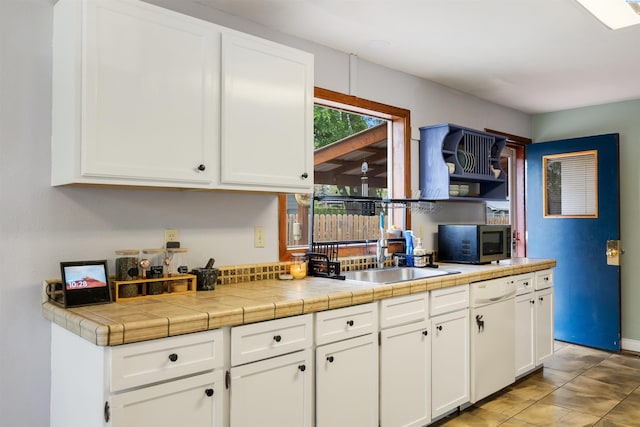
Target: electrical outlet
x,y
258,237
171,235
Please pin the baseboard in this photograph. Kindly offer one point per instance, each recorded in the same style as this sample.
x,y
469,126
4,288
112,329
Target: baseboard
x,y
629,344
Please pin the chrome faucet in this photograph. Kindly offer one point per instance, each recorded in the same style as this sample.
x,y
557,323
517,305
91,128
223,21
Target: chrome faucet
x,y
382,244
381,251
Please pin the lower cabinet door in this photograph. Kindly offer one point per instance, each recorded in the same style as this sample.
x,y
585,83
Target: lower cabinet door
x,y
544,325
275,392
525,330
405,380
195,402
449,361
347,383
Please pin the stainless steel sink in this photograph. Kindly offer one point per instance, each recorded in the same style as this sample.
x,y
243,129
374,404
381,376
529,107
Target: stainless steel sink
x,y
395,274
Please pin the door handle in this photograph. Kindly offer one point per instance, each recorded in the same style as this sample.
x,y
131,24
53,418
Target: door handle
x,y
613,252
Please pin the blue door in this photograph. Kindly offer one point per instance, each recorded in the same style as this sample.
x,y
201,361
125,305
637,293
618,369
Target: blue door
x,y
586,287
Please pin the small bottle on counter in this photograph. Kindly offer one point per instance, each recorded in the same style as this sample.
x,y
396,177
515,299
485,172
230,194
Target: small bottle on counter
x,y
419,254
298,269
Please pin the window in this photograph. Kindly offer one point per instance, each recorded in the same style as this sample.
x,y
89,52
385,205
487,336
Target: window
x,y
570,185
371,154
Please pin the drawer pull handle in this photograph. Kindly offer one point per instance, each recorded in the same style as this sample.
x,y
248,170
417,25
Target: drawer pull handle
x,y
349,322
209,392
439,327
330,359
202,167
277,338
302,368
425,333
173,357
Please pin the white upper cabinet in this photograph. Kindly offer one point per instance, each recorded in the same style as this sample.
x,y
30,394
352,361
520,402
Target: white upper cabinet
x,y
145,96
267,115
135,95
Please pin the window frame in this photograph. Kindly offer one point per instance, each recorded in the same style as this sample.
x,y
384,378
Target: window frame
x,y
399,167
545,191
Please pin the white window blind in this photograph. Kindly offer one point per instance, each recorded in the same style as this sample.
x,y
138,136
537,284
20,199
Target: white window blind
x,y
571,184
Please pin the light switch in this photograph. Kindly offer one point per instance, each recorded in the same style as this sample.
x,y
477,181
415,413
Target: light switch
x,y
258,237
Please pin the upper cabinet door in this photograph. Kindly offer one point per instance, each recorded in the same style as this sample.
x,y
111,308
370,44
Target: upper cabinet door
x,y
150,93
267,115
136,95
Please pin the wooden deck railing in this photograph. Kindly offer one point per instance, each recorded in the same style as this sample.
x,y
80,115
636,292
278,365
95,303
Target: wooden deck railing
x,y
337,227
340,227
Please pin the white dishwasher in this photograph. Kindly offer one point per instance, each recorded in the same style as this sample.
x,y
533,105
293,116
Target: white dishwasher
x,y
492,330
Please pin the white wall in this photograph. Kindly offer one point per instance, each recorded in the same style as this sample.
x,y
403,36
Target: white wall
x,y
619,118
42,225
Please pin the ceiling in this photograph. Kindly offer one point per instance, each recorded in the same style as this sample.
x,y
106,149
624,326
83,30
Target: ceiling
x,y
532,55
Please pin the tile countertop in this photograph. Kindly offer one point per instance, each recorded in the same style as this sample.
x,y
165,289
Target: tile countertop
x,y
237,304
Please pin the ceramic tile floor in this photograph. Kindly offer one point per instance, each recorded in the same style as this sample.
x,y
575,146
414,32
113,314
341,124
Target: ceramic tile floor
x,y
579,386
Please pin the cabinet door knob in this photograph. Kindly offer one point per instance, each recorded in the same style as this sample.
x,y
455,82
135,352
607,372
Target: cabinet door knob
x,y
173,357
201,167
304,175
532,301
302,368
209,392
330,359
439,327
277,338
541,298
350,322
425,333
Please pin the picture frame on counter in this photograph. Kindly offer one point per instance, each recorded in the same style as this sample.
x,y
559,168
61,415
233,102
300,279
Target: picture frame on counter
x,y
85,283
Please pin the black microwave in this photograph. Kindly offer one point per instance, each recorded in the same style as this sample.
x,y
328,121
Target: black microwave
x,y
474,243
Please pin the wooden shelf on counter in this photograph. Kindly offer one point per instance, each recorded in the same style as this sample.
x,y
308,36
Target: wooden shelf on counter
x,y
169,285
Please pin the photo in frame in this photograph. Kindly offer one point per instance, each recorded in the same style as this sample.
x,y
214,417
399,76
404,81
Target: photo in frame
x,y
85,283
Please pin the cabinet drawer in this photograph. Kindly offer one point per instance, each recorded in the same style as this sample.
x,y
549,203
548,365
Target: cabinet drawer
x,y
402,310
148,362
259,341
192,401
524,283
544,279
348,322
448,299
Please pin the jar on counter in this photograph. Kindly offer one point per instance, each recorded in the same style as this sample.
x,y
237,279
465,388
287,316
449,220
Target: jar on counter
x,y
127,269
127,264
154,263
177,261
298,269
153,259
177,258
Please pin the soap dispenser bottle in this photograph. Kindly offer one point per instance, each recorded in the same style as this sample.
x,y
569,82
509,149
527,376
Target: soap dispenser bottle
x,y
419,254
